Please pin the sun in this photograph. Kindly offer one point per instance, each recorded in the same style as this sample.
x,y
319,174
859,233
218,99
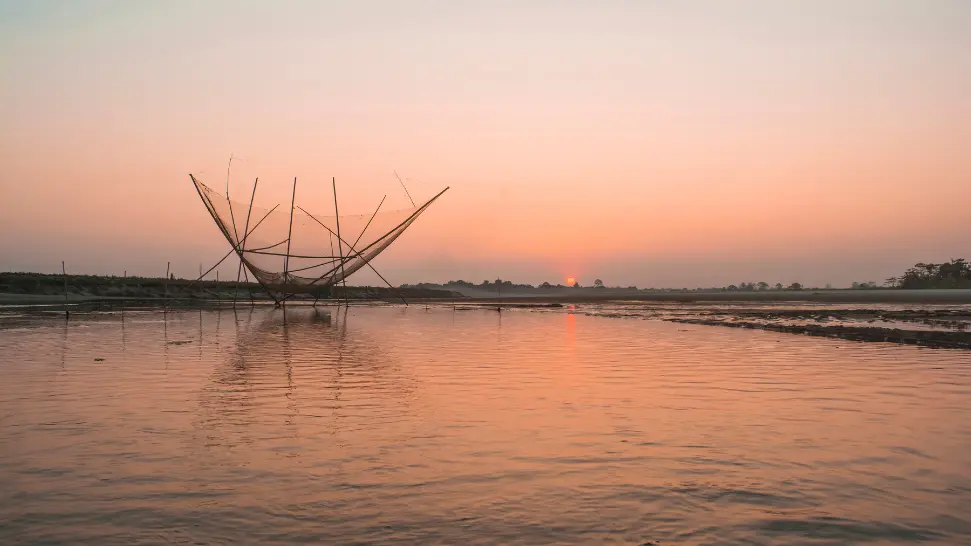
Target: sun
x,y
570,281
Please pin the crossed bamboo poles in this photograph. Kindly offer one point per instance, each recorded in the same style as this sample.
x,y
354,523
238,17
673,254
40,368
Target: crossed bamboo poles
x,y
341,260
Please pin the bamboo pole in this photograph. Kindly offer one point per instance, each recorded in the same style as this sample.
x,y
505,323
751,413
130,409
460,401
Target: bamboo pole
x,y
350,246
249,290
222,228
340,245
408,193
358,240
366,262
330,236
67,313
232,218
246,231
228,202
234,249
286,260
361,252
167,266
243,242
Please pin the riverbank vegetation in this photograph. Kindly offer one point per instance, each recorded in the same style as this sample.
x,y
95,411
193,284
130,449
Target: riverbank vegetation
x,y
953,274
32,285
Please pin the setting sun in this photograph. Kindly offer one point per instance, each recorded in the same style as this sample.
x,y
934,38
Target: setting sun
x,y
570,281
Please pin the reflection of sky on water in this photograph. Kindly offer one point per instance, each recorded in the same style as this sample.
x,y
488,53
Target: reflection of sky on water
x,y
405,424
289,367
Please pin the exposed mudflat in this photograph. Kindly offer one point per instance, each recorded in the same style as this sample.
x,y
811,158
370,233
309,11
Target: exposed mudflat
x,y
932,325
927,338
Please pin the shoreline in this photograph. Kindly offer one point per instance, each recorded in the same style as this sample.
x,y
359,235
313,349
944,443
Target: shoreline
x,y
940,328
888,297
49,289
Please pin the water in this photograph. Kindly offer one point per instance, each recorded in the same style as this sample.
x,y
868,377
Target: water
x,y
927,317
408,425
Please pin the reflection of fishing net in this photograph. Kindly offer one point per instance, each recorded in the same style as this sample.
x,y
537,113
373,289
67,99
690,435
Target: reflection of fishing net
x,y
302,252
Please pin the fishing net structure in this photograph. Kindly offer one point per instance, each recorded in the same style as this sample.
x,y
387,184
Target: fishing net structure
x,y
291,250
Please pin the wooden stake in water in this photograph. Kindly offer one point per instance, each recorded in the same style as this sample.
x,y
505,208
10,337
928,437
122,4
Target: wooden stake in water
x,y
167,266
67,313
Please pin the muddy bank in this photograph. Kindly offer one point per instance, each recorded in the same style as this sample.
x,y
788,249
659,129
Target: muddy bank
x,y
926,338
956,319
932,326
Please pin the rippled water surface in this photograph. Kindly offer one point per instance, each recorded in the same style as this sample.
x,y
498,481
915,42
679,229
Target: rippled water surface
x,y
393,424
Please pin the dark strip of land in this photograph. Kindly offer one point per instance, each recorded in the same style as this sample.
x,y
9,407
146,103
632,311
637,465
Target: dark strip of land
x,y
29,288
926,338
41,289
887,296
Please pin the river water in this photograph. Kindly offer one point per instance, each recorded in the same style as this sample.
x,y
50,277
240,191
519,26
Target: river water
x,y
414,425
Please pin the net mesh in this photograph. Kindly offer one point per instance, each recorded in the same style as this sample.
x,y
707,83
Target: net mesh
x,y
303,253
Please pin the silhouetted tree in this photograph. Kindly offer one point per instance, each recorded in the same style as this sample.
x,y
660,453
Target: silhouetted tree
x,y
598,283
795,286
763,285
954,274
778,286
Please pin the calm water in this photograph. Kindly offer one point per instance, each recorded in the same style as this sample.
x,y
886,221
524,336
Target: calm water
x,y
440,426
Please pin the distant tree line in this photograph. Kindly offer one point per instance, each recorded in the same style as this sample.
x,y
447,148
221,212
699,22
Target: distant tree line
x,y
760,286
953,274
488,284
500,284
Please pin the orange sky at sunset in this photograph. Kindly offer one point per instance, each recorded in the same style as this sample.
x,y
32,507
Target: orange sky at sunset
x,y
650,143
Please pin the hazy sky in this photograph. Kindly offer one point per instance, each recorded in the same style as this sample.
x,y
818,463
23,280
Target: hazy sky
x,y
657,143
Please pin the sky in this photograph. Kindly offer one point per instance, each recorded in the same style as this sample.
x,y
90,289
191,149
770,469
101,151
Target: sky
x,y
649,143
